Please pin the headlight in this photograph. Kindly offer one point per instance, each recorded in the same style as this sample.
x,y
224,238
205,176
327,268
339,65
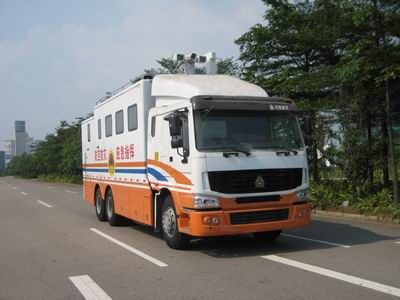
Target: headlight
x,y
302,196
205,201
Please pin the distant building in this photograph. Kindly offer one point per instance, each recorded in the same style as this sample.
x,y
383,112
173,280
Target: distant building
x,y
32,146
9,149
20,138
2,161
23,143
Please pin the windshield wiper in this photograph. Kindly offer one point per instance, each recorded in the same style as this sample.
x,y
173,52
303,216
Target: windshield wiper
x,y
279,150
286,152
235,152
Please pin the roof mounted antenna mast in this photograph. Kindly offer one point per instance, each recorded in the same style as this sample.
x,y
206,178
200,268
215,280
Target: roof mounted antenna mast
x,y
211,63
188,62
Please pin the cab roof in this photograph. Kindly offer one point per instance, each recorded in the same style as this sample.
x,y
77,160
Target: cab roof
x,y
188,86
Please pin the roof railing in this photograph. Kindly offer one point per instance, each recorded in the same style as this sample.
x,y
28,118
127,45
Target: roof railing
x,y
120,89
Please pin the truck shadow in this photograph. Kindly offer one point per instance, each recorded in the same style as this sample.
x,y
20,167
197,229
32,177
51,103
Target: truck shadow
x,y
246,245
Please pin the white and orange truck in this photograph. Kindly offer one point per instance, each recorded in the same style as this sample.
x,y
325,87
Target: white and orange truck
x,y
197,156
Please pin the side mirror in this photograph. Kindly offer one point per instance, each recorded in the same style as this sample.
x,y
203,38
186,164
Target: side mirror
x,y
175,125
178,130
176,142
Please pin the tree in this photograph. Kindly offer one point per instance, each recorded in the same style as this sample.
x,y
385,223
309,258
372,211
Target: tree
x,y
294,54
169,65
369,62
228,66
341,55
59,154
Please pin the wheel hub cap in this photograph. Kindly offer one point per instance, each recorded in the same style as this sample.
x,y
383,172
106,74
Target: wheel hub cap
x,y
169,222
98,204
109,208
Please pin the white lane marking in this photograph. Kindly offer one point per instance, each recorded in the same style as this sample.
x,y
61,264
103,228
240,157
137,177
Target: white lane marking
x,y
131,249
50,187
336,275
88,288
23,193
71,192
14,187
44,203
397,242
317,241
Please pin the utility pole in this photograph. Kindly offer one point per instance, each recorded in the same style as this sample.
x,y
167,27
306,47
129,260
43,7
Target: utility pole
x,y
393,164
391,145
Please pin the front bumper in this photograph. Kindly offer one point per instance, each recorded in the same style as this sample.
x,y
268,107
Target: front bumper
x,y
193,221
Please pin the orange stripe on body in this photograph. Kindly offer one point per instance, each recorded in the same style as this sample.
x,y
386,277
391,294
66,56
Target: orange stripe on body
x,y
177,175
117,164
95,165
117,181
174,173
130,164
161,184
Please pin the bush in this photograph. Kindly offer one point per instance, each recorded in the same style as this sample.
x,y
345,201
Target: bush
x,y
57,159
73,179
370,200
331,195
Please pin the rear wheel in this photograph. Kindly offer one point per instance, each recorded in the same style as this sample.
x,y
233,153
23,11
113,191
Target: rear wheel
x,y
100,206
113,218
174,238
267,236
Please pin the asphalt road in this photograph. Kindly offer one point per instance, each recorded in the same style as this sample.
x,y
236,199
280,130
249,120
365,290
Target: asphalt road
x,y
53,247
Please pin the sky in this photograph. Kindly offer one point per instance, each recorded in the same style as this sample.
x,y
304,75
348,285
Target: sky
x,y
57,58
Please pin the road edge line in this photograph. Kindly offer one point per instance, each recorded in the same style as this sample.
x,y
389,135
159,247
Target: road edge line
x,y
314,240
337,275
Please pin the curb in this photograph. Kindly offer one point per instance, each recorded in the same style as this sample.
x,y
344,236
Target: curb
x,y
355,216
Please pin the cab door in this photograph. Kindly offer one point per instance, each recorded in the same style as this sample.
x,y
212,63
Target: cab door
x,y
167,164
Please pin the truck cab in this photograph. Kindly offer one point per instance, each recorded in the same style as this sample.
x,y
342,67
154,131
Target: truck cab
x,y
228,158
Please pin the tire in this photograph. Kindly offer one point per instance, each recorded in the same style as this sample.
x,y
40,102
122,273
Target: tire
x,y
172,236
113,218
100,206
267,236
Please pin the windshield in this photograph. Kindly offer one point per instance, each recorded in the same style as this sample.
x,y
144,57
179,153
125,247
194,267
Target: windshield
x,y
246,130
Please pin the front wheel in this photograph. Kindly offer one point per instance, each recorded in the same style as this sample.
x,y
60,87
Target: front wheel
x,y
267,236
174,238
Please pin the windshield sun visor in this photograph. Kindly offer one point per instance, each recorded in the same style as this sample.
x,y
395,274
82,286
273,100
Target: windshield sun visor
x,y
243,103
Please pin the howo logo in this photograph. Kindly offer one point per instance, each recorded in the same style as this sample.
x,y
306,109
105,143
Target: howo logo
x,y
259,183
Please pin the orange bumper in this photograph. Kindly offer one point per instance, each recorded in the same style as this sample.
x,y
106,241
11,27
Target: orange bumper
x,y
194,221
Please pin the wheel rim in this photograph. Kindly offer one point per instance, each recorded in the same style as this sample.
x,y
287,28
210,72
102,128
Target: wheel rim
x,y
169,222
98,203
109,207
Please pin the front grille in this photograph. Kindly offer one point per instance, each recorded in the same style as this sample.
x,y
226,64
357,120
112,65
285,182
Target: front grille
x,y
259,216
244,181
257,199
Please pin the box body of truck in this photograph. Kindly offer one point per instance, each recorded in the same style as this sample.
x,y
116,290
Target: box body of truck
x,y
223,155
